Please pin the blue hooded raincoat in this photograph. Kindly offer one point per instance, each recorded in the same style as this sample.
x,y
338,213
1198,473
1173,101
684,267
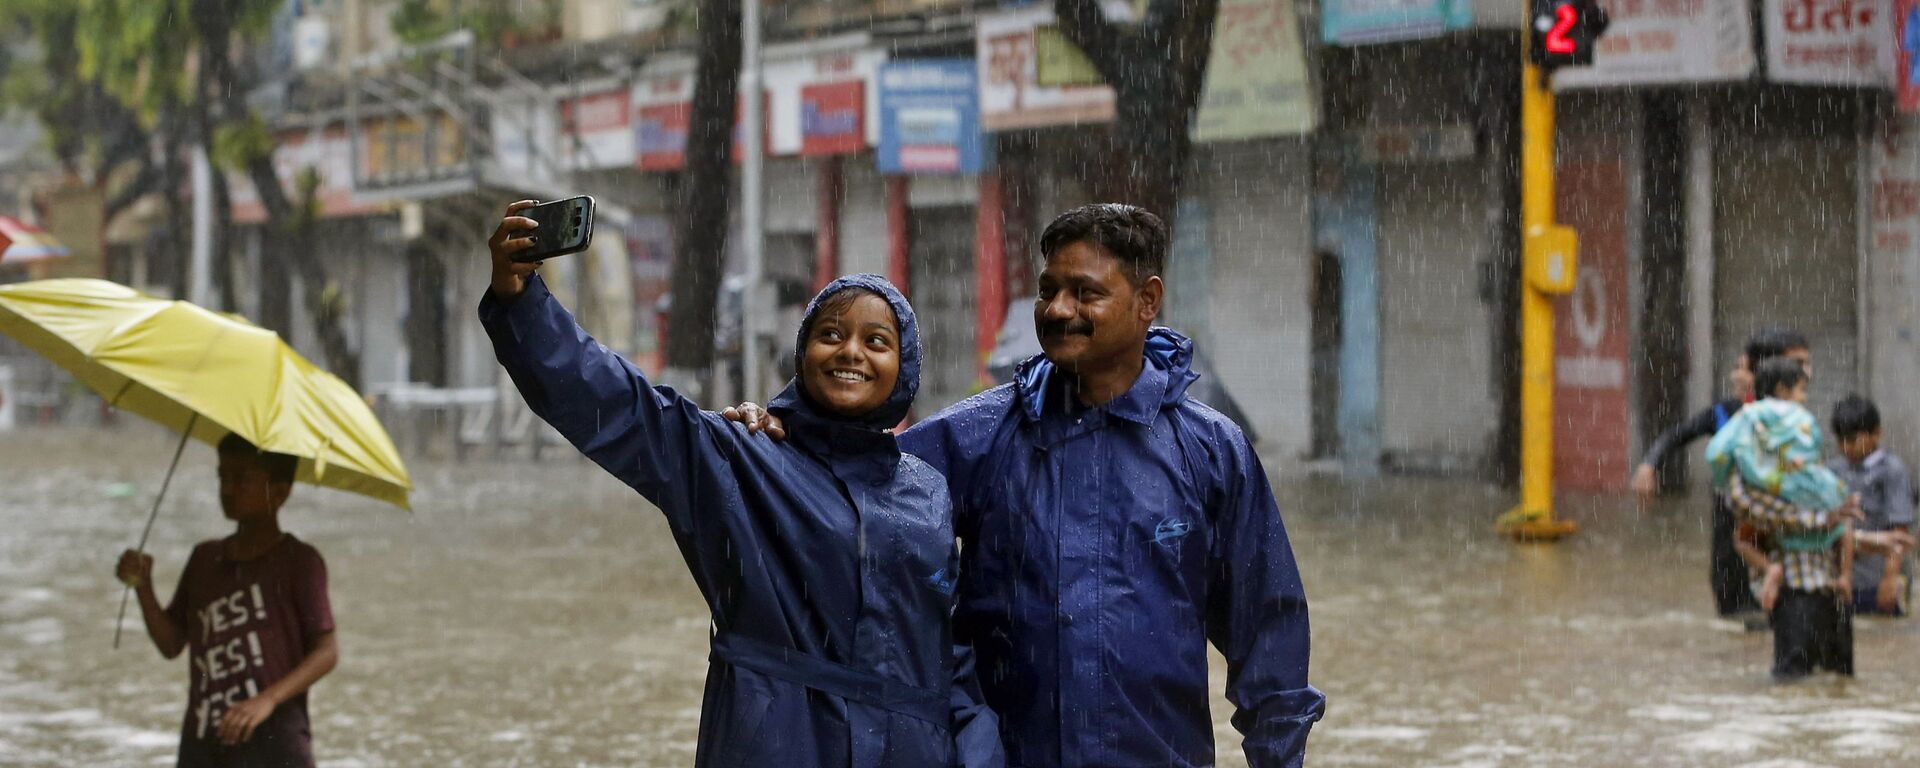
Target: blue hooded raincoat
x,y
1103,548
828,560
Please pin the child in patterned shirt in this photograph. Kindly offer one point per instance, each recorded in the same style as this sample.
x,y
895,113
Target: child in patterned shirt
x,y
1774,445
1767,461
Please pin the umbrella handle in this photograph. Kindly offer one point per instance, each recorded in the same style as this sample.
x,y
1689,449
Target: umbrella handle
x,y
153,514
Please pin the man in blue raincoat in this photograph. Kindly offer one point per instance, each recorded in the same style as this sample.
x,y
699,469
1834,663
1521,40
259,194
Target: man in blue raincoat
x,y
1111,527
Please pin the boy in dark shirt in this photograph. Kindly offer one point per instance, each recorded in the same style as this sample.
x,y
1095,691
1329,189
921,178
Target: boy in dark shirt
x,y
1727,573
252,608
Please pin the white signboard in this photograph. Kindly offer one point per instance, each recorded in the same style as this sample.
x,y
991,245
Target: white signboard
x,y
1257,83
1830,42
1011,96
1652,42
787,71
599,129
526,138
790,68
665,80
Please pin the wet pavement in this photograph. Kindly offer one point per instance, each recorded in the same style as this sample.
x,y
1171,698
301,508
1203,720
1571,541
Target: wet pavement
x,y
538,614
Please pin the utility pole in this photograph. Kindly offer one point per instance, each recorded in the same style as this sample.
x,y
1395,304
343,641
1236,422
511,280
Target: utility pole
x,y
753,200
200,258
1561,32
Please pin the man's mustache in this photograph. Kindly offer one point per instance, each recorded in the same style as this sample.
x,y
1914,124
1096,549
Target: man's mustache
x,y
1064,327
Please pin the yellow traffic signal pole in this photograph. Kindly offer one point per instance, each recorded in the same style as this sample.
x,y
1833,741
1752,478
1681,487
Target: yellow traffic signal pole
x,y
1548,254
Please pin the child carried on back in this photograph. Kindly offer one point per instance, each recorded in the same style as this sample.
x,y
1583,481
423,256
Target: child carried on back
x,y
1774,445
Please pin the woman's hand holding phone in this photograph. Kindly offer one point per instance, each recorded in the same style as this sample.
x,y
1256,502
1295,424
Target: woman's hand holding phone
x,y
510,276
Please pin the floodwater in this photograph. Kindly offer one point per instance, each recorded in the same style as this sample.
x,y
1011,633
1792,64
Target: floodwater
x,y
538,614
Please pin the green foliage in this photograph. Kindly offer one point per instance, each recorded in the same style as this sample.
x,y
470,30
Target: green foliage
x,y
422,21
136,50
307,198
41,76
140,52
253,19
418,21
238,143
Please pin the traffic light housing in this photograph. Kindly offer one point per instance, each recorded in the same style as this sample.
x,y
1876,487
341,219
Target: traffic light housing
x,y
1563,32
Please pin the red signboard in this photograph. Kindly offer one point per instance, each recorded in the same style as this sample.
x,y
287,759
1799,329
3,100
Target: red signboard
x,y
662,136
596,113
833,118
1906,28
1592,371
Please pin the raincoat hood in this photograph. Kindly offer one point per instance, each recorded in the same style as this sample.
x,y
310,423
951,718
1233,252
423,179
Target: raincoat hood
x,y
793,400
1168,351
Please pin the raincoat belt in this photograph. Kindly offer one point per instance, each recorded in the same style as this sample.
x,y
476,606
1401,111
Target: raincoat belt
x,y
831,677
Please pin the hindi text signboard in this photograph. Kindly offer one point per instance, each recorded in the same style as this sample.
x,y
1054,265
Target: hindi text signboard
x,y
1011,93
1829,42
1657,42
1257,83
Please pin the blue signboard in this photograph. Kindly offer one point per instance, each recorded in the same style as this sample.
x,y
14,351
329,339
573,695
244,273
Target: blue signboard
x,y
1355,22
930,117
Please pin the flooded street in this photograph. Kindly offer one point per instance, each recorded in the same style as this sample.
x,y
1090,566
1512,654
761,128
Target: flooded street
x,y
539,615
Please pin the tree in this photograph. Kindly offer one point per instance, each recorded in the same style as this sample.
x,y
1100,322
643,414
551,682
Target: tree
x,y
1157,69
72,81
702,219
173,65
245,143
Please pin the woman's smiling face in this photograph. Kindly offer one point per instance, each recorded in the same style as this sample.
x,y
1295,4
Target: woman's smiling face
x,y
852,356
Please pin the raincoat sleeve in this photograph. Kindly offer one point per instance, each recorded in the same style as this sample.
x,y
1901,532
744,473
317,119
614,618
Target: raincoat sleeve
x,y
651,438
1257,616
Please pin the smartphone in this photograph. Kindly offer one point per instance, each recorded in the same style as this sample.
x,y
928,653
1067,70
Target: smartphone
x,y
566,226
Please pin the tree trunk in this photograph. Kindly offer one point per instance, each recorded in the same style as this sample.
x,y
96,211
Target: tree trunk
x,y
1157,69
223,245
426,322
172,178
1497,111
701,223
291,229
1662,367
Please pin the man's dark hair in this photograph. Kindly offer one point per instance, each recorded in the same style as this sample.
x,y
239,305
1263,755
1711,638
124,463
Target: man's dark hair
x,y
1772,342
1775,373
1130,233
280,467
1854,416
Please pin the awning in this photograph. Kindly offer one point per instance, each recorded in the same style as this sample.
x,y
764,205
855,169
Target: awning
x,y
21,243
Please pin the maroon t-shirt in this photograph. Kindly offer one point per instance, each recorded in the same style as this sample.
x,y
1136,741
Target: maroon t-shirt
x,y
249,623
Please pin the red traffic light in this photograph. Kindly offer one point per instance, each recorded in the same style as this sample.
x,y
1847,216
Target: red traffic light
x,y
1563,32
1558,37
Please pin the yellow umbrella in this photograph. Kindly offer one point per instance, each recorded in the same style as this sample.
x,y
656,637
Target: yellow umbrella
x,y
206,375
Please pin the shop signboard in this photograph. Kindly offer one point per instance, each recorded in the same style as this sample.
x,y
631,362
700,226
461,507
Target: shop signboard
x,y
930,117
